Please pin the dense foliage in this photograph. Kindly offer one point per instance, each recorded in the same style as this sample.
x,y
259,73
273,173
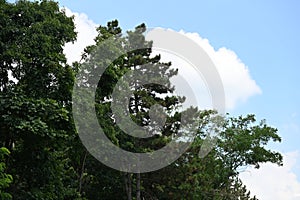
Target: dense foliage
x,y
41,155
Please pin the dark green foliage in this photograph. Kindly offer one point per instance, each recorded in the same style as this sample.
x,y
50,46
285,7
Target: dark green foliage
x,y
216,175
241,142
142,98
35,91
47,159
5,179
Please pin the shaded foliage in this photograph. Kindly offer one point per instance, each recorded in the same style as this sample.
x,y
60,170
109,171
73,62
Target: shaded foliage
x,y
47,159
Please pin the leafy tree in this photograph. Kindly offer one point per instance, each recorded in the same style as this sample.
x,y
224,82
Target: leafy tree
x,y
143,95
35,92
5,179
240,142
47,159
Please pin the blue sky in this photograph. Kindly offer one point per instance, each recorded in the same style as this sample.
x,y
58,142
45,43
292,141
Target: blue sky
x,y
263,34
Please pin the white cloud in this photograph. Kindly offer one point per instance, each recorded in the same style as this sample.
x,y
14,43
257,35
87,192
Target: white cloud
x,y
271,182
238,84
237,81
86,32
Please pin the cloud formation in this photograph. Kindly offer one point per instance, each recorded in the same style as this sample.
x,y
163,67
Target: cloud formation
x,y
273,182
86,32
237,81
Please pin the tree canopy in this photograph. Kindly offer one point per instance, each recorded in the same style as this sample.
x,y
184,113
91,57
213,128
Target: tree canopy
x,y
41,154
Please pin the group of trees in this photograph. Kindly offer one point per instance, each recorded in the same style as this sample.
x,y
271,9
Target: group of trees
x,y
41,155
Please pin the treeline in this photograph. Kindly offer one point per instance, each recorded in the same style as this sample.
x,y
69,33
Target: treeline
x,y
41,154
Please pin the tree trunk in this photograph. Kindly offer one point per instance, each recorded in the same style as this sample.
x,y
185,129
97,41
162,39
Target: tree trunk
x,y
82,172
138,186
128,186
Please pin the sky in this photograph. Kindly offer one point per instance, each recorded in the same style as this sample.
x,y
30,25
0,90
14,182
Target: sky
x,y
255,47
